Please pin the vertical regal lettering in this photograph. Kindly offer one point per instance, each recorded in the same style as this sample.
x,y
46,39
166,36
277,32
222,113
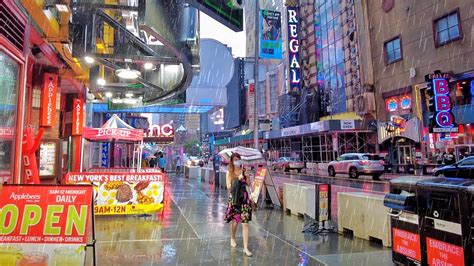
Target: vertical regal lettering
x,y
442,119
77,117
48,100
293,47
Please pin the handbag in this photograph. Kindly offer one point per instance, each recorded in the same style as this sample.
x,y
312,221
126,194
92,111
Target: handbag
x,y
252,203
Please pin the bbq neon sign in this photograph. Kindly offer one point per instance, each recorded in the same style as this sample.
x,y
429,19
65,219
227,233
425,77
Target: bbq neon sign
x,y
294,50
442,119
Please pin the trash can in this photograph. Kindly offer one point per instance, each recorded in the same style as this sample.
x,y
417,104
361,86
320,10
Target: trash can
x,y
405,220
447,220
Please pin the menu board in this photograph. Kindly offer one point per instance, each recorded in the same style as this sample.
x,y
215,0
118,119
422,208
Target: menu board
x,y
44,225
123,193
258,183
47,160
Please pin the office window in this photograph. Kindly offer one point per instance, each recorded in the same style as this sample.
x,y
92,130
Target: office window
x,y
447,29
393,50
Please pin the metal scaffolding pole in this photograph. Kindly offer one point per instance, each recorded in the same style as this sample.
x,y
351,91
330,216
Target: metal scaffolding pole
x,y
257,50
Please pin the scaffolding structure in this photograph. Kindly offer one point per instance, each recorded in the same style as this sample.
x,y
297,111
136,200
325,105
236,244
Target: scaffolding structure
x,y
322,147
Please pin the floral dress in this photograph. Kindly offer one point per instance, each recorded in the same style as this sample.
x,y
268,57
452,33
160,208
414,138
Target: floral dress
x,y
239,213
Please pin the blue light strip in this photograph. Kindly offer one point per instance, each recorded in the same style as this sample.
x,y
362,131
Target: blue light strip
x,y
103,108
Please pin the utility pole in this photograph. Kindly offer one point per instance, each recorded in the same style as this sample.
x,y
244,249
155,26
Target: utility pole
x,y
257,55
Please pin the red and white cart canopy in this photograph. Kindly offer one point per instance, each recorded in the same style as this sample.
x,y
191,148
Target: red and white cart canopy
x,y
114,130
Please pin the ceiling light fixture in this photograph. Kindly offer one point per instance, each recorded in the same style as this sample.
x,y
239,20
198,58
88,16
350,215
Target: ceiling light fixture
x,y
89,60
127,73
148,66
101,82
117,100
108,95
130,101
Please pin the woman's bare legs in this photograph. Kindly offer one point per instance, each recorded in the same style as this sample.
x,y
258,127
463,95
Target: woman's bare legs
x,y
233,232
245,233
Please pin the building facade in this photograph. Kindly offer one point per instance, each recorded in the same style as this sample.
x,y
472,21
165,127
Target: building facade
x,y
410,40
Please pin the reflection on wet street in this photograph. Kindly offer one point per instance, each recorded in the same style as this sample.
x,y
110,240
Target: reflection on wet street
x,y
191,231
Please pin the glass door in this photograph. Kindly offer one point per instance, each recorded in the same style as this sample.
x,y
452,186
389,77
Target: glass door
x,y
405,155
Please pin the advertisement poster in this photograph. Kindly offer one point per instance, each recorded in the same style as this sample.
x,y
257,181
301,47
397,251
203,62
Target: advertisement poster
x,y
270,35
406,243
442,253
47,158
123,193
104,155
44,225
323,202
258,183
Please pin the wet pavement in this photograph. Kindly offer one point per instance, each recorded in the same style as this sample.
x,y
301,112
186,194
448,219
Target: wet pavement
x,y
190,231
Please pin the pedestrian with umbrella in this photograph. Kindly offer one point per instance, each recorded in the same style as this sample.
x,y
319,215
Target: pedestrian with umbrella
x,y
239,207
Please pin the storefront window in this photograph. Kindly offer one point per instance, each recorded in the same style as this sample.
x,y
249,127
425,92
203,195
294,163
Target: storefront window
x,y
464,92
9,70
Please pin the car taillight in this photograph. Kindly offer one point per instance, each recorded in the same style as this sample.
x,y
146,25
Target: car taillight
x,y
364,162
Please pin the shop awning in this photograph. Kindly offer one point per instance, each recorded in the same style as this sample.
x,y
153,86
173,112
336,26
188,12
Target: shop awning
x,y
114,130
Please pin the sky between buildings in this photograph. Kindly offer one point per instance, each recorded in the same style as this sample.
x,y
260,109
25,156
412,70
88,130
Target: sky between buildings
x,y
211,29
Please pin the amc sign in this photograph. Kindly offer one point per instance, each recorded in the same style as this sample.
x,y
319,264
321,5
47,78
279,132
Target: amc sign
x,y
160,133
442,119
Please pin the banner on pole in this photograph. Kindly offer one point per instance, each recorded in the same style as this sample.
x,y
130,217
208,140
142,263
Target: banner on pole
x,y
270,35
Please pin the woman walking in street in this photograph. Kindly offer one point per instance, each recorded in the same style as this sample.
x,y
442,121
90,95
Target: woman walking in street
x,y
239,208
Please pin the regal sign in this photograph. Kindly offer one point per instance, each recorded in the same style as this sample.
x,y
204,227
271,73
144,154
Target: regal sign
x,y
442,119
48,100
77,117
294,49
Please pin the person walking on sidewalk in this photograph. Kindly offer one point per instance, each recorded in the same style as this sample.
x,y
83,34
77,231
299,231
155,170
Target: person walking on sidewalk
x,y
239,208
178,165
162,163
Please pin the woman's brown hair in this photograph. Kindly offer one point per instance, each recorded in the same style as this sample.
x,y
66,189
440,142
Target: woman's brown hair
x,y
232,159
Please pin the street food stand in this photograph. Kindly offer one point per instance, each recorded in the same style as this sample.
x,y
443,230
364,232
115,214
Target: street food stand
x,y
130,191
117,131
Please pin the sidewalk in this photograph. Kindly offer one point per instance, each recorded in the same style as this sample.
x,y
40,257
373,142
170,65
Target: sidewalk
x,y
191,231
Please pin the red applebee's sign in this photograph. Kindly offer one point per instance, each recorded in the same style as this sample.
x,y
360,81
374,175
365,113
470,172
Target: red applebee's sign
x,y
442,119
77,117
45,214
48,100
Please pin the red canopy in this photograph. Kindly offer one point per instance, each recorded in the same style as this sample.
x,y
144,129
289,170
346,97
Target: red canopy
x,y
115,129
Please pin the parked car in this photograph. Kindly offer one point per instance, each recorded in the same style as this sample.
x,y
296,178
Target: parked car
x,y
462,169
195,161
286,164
356,164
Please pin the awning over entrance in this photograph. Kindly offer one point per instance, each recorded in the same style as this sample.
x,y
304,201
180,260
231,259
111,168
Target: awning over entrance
x,y
114,130
411,130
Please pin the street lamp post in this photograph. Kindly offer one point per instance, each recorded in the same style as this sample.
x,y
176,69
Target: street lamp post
x,y
257,50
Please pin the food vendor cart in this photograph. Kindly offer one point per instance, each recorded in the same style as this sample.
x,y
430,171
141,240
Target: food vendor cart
x,y
130,191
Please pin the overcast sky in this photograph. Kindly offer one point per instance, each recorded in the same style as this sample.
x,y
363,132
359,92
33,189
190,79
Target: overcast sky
x,y
212,29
